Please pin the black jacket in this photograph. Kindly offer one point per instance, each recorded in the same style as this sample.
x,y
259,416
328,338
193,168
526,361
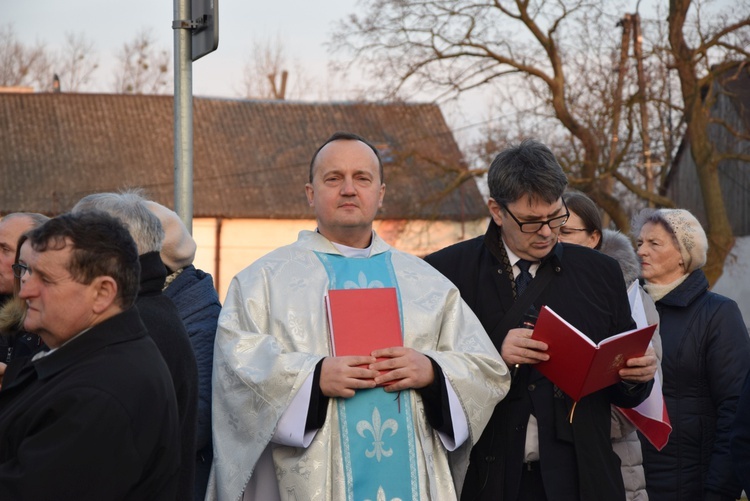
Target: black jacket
x,y
740,441
197,302
577,461
165,327
706,357
96,419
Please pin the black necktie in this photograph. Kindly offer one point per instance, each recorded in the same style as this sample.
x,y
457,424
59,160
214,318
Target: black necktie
x,y
523,278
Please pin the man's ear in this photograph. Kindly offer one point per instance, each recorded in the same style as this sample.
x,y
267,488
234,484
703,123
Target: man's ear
x,y
105,291
310,192
495,211
381,196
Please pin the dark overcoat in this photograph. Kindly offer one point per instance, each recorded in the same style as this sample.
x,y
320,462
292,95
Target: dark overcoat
x,y
740,441
706,357
95,419
197,302
165,327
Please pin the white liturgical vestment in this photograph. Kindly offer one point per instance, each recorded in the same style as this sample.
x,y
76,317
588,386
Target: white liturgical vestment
x,y
273,331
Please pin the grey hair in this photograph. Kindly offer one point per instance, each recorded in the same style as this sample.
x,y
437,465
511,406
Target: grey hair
x,y
528,168
35,218
129,206
618,246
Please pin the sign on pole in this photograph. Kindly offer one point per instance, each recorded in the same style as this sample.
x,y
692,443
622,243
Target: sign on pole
x,y
205,34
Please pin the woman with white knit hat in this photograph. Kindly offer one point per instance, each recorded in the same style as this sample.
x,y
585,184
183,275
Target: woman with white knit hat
x,y
706,354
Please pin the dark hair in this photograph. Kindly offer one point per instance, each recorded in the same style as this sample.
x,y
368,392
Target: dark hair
x,y
346,136
585,208
101,245
529,168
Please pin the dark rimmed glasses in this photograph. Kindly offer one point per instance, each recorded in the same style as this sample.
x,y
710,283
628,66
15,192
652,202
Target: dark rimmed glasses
x,y
534,226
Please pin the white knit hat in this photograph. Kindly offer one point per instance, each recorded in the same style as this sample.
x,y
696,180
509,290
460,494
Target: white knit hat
x,y
178,249
690,236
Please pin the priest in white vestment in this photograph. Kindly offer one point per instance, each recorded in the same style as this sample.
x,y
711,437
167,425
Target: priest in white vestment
x,y
293,422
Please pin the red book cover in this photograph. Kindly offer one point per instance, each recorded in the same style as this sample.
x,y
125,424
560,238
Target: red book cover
x,y
577,365
363,320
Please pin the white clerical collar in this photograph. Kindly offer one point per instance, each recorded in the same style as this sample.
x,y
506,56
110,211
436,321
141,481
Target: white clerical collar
x,y
347,251
353,251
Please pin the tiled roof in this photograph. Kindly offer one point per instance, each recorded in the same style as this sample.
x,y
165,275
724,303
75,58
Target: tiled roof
x,y
250,157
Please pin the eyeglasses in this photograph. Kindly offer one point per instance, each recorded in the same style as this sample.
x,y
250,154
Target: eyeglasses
x,y
20,269
534,226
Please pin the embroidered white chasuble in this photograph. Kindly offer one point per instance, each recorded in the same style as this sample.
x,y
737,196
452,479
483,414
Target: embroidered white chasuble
x,y
272,332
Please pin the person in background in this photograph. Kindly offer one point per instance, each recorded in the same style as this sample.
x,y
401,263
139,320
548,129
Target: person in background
x,y
192,292
285,408
159,315
95,417
584,227
706,355
14,341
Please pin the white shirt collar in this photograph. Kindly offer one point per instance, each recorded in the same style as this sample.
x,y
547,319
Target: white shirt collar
x,y
513,258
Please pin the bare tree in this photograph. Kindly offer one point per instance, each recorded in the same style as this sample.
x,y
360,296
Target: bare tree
x,y
76,63
558,62
22,66
269,73
143,68
695,42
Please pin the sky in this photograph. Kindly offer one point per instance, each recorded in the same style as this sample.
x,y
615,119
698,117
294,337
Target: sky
x,y
303,26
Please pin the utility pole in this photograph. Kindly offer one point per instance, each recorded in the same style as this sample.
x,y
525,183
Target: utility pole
x,y
643,104
627,25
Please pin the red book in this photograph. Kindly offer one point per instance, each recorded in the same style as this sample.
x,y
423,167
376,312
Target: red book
x,y
363,320
577,365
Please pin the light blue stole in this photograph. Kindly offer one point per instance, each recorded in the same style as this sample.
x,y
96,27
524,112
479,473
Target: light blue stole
x,y
377,432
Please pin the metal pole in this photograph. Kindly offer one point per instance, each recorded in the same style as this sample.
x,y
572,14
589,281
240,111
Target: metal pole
x,y
183,116
643,103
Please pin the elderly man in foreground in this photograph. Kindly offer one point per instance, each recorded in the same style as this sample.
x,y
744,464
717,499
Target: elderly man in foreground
x,y
95,417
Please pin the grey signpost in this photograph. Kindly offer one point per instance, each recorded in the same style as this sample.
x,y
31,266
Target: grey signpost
x,y
196,33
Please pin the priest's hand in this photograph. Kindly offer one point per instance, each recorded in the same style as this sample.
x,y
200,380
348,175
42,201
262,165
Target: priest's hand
x,y
342,376
2,373
402,369
640,369
519,348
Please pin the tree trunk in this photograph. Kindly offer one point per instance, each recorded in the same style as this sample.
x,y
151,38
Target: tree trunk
x,y
697,113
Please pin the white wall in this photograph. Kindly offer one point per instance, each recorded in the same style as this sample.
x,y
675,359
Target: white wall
x,y
245,240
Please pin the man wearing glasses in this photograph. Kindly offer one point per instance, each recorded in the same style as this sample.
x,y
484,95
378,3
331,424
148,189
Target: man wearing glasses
x,y
14,342
535,447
